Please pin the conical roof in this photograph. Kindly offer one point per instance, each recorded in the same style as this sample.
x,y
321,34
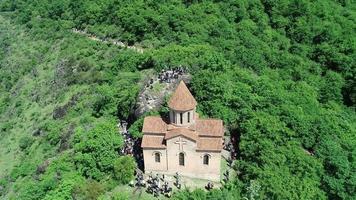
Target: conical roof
x,y
182,99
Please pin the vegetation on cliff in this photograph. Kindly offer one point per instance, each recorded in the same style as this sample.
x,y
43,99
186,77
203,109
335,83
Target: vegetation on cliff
x,y
281,74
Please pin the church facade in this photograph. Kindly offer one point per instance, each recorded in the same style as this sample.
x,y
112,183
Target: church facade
x,y
184,143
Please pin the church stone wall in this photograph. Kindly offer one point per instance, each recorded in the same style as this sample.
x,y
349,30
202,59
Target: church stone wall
x,y
173,154
194,166
149,160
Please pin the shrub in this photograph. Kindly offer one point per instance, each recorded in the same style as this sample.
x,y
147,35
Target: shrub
x,y
136,128
53,130
25,142
124,169
97,149
91,190
120,196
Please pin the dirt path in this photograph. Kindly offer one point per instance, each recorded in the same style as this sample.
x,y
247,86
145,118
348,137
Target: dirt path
x,y
111,41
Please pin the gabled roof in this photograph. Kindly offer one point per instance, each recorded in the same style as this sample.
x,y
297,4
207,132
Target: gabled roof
x,y
154,124
210,127
183,132
182,99
207,133
209,144
153,141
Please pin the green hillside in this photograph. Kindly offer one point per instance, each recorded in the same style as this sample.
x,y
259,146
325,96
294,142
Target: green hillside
x,y
281,74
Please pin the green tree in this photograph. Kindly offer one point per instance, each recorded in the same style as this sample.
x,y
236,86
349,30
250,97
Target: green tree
x,y
339,163
26,142
90,190
124,169
97,149
136,128
332,87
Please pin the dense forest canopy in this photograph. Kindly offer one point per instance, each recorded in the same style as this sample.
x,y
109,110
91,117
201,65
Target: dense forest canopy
x,y
281,74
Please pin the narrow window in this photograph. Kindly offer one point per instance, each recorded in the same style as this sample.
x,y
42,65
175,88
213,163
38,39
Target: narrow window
x,y
188,117
174,117
181,159
206,160
157,157
181,118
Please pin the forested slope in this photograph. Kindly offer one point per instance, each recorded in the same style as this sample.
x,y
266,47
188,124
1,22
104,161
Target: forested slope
x,y
281,74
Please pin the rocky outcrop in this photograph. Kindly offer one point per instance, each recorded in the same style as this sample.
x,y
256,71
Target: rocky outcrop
x,y
156,88
61,111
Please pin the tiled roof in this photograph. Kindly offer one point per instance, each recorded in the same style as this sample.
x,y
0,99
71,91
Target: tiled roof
x,y
209,144
207,133
153,141
182,99
182,131
154,124
210,127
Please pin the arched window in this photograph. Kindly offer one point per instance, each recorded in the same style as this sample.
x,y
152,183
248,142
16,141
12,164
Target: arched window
x,y
157,157
188,117
181,118
206,160
181,159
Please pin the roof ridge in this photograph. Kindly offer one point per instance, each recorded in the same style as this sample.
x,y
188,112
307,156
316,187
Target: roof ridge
x,y
182,131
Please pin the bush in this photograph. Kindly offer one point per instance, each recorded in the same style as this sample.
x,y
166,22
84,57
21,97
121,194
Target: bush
x,y
97,149
120,196
136,128
3,184
25,142
91,190
53,130
117,98
124,169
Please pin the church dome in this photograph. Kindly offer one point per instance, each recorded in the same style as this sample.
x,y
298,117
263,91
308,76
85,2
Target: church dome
x,y
182,99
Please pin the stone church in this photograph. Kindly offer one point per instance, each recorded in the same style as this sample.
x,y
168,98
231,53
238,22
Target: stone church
x,y
183,143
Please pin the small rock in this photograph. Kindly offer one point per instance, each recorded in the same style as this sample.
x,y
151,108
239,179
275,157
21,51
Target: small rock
x,y
37,132
42,168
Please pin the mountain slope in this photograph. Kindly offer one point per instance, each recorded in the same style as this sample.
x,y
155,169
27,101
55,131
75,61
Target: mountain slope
x,y
281,74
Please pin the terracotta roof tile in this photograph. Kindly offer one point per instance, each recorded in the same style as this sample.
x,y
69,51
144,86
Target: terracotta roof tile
x,y
209,144
182,99
210,127
153,141
181,131
154,124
